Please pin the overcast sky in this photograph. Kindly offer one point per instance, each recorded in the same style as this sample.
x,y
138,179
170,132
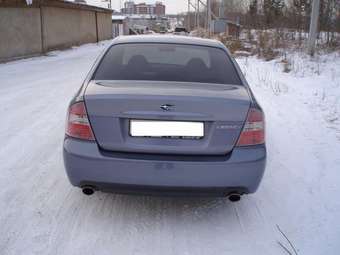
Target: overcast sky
x,y
172,6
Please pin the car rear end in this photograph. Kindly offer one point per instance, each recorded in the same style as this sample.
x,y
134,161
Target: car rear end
x,y
141,126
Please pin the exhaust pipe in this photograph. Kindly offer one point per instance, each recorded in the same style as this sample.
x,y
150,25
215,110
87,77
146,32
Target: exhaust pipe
x,y
234,197
88,190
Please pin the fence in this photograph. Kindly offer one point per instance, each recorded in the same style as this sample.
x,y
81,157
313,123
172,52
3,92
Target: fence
x,y
28,30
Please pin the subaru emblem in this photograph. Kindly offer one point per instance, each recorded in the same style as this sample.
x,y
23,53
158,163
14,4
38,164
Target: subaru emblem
x,y
166,107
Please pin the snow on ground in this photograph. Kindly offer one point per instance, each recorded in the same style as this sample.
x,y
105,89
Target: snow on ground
x,y
42,214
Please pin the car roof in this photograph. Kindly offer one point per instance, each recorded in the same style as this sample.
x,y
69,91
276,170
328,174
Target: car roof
x,y
176,39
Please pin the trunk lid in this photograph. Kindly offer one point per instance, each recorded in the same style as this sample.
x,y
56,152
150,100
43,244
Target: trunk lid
x,y
112,104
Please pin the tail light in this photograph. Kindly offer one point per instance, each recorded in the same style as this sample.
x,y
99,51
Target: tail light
x,y
253,131
78,125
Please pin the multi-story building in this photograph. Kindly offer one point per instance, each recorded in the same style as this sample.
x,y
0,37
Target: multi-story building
x,y
129,7
143,8
157,9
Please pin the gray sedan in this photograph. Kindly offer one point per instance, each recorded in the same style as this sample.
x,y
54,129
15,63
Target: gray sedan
x,y
166,115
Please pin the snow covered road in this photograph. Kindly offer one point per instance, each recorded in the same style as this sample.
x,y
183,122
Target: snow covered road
x,y
41,213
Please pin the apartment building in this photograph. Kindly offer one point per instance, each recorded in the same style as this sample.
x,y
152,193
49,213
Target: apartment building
x,y
131,8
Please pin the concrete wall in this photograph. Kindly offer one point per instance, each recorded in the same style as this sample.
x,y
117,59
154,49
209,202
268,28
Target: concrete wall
x,y
20,32
66,27
104,26
49,25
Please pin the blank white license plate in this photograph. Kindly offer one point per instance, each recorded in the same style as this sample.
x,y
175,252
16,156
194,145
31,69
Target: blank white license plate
x,y
155,128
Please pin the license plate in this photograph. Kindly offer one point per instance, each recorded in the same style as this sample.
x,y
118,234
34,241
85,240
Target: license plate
x,y
155,128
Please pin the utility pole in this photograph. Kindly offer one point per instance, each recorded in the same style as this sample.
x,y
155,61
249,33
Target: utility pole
x,y
209,17
313,27
188,15
198,13
195,13
221,10
108,3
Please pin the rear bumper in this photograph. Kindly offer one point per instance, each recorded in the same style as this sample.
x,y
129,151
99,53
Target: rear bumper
x,y
240,171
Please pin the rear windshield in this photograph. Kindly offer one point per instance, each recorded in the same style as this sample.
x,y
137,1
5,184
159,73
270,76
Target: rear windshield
x,y
167,62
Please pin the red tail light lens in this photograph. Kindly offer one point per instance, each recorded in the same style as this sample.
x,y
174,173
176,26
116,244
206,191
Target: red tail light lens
x,y
78,125
253,132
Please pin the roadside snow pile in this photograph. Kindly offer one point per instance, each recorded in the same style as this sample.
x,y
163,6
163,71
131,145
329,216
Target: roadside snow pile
x,y
322,76
303,141
313,81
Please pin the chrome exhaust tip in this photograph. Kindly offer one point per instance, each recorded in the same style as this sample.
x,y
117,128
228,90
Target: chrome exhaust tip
x,y
88,190
234,197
